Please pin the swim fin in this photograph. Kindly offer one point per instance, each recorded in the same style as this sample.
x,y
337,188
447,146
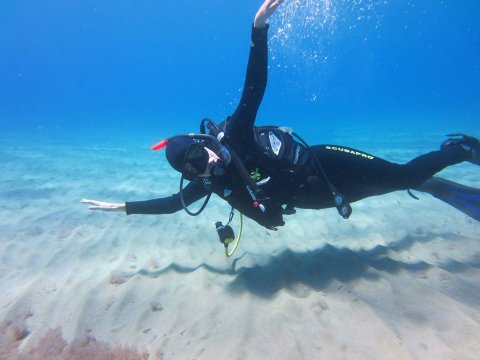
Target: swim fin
x,y
463,198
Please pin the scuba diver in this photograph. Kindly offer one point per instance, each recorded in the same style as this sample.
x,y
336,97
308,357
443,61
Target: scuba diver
x,y
266,172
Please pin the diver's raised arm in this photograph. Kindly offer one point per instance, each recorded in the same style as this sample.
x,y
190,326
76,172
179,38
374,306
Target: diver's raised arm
x,y
240,124
265,11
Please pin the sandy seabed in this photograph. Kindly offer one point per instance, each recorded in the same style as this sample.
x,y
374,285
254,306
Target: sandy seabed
x,y
399,280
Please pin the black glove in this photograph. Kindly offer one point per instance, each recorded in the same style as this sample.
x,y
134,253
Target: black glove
x,y
271,215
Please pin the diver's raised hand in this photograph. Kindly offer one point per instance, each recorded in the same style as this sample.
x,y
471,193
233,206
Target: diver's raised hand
x,y
103,205
265,11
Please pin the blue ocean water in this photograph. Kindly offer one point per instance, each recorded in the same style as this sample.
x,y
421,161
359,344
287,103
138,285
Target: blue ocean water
x,y
126,69
87,86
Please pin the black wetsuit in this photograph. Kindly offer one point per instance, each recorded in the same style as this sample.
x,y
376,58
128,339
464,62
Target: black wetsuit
x,y
354,173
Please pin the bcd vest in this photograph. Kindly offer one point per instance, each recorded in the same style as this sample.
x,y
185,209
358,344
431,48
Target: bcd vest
x,y
278,151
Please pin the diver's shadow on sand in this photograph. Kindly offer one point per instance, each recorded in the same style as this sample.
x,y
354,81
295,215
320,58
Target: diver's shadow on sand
x,y
319,268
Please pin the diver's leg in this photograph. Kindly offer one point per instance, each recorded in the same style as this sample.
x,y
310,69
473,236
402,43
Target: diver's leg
x,y
357,174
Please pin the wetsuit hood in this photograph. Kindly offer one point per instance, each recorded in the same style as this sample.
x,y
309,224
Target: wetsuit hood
x,y
176,149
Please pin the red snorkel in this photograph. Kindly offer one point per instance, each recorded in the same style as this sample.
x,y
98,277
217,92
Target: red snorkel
x,y
162,144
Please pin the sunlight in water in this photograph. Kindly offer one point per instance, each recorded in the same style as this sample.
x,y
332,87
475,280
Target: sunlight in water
x,y
307,36
307,27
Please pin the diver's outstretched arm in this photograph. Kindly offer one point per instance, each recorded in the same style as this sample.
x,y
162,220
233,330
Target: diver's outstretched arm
x,y
265,11
103,205
168,205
